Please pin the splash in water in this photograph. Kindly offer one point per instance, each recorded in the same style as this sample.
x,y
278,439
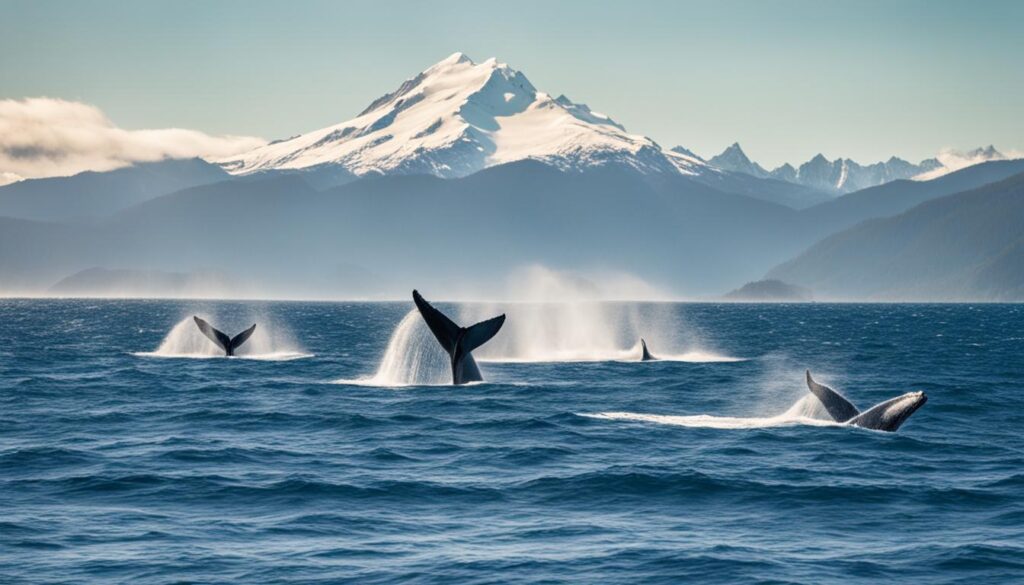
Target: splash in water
x,y
269,342
806,411
412,358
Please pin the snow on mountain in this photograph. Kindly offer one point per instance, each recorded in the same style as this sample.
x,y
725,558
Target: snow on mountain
x,y
735,160
844,175
459,117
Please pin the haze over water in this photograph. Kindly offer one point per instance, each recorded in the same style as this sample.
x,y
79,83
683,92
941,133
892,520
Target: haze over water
x,y
117,465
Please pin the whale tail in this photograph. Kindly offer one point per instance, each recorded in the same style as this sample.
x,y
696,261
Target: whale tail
x,y
458,341
228,344
885,416
646,357
838,407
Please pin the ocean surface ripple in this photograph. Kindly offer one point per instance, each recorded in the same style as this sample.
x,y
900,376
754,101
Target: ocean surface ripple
x,y
120,463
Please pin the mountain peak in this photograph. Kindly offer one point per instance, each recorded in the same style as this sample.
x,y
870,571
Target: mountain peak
x,y
455,58
734,159
458,117
987,153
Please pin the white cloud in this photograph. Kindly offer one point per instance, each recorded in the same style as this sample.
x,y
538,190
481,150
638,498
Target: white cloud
x,y
46,137
8,178
954,160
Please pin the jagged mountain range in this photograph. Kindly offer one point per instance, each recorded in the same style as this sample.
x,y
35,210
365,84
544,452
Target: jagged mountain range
x,y
844,175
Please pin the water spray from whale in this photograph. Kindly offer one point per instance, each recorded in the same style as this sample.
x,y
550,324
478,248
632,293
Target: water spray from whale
x,y
823,407
270,341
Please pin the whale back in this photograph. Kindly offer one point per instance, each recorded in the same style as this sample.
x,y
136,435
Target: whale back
x,y
889,415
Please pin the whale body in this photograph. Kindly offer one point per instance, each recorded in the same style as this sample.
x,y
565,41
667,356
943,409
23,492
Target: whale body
x,y
228,344
458,341
885,416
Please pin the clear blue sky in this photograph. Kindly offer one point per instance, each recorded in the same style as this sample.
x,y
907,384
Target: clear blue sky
x,y
787,79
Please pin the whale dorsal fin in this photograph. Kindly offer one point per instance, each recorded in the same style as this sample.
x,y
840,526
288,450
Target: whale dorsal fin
x,y
646,356
838,407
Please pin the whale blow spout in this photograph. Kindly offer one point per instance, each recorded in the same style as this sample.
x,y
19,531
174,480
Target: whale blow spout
x,y
228,344
458,341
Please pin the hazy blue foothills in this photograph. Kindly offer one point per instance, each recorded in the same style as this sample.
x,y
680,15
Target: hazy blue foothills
x,y
130,452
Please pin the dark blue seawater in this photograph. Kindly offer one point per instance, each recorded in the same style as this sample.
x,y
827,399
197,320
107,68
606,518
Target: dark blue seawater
x,y
123,467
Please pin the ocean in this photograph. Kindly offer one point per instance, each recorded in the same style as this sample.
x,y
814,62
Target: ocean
x,y
330,450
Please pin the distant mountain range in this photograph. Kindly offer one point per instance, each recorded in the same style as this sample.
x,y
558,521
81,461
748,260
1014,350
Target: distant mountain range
x,y
375,236
463,173
459,117
844,175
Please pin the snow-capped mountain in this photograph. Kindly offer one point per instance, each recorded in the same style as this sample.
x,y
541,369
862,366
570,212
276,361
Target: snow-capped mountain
x,y
845,175
735,160
459,117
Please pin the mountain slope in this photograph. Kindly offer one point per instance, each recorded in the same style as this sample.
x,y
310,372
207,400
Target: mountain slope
x,y
414,230
458,117
899,196
964,246
91,195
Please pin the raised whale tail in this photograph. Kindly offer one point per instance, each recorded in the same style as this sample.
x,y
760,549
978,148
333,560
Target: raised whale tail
x,y
885,416
646,357
228,344
458,341
838,407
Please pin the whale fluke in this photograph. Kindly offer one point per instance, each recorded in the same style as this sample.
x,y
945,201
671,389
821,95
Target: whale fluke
x,y
646,357
458,341
838,407
885,416
228,344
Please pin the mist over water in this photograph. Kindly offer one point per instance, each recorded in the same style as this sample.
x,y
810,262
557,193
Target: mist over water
x,y
271,341
552,317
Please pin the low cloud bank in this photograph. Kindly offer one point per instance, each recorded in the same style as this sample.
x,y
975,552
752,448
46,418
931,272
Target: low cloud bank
x,y
954,160
46,137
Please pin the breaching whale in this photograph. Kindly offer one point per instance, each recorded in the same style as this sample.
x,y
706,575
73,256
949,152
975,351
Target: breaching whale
x,y
646,357
885,416
458,341
228,344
